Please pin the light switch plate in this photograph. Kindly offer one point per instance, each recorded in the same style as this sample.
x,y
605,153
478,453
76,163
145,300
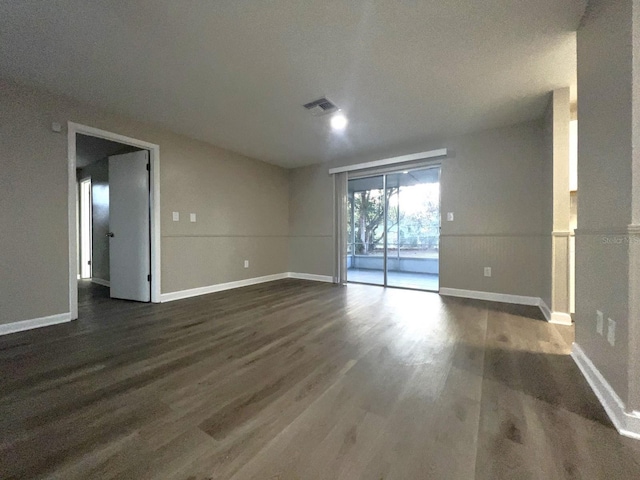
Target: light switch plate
x,y
176,216
599,322
449,216
246,264
611,332
192,217
487,271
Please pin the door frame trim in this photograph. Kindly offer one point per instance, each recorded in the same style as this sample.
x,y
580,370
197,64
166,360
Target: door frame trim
x,y
90,232
154,160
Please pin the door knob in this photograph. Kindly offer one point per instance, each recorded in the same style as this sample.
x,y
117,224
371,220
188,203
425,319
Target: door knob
x,y
110,234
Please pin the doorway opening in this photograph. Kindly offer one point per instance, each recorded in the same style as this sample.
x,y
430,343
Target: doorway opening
x,y
393,232
114,187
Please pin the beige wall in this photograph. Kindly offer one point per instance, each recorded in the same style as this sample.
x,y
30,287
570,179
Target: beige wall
x,y
497,184
241,205
242,208
604,182
34,251
311,221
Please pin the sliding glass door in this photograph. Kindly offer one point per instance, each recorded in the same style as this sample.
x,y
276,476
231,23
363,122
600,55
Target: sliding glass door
x,y
394,229
365,250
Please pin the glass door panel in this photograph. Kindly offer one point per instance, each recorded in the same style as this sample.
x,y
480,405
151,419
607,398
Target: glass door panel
x,y
365,249
413,229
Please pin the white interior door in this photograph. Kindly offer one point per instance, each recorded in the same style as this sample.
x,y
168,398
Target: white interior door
x,y
129,243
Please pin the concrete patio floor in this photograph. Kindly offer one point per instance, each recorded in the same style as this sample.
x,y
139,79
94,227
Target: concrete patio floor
x,y
420,281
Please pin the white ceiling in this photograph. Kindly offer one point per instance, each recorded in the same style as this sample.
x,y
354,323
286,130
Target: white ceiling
x,y
236,73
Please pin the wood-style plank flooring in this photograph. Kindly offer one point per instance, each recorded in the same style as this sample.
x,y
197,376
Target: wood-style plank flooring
x,y
302,380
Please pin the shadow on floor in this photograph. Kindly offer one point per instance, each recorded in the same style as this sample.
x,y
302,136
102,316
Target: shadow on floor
x,y
527,311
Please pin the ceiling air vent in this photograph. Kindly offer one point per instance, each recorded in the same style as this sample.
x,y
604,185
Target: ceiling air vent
x,y
322,106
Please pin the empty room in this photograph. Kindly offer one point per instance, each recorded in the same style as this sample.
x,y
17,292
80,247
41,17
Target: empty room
x,y
331,239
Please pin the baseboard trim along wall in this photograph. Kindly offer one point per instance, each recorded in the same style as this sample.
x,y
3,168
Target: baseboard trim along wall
x,y
499,297
546,311
194,292
311,276
32,323
560,318
627,423
99,281
219,287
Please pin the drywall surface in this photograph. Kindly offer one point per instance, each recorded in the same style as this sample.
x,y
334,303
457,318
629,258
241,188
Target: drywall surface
x,y
311,221
241,205
604,182
497,184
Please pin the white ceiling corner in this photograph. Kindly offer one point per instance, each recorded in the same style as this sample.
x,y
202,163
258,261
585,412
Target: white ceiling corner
x,y
236,74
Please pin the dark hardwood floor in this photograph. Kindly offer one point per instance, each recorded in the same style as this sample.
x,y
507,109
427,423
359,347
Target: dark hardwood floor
x,y
302,380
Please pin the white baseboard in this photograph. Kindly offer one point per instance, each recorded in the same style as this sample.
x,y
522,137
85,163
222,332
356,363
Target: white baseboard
x,y
499,297
311,276
23,325
490,296
194,292
546,311
560,318
627,423
99,281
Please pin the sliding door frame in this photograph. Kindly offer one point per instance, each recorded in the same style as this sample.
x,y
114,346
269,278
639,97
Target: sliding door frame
x,y
385,251
384,172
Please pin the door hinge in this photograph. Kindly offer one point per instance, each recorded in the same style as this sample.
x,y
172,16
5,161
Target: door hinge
x,y
148,278
148,167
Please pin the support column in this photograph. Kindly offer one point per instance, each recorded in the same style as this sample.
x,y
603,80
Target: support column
x,y
634,316
560,298
633,405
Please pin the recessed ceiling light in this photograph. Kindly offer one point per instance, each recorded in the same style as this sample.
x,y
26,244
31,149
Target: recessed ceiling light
x,y
405,172
339,122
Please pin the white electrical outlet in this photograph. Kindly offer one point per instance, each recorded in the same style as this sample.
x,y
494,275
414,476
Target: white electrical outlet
x,y
449,216
611,332
246,264
487,271
192,217
599,322
176,216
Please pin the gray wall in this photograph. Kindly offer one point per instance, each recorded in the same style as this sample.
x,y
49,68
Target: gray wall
x,y
604,182
311,220
99,173
34,251
242,205
497,183
279,220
